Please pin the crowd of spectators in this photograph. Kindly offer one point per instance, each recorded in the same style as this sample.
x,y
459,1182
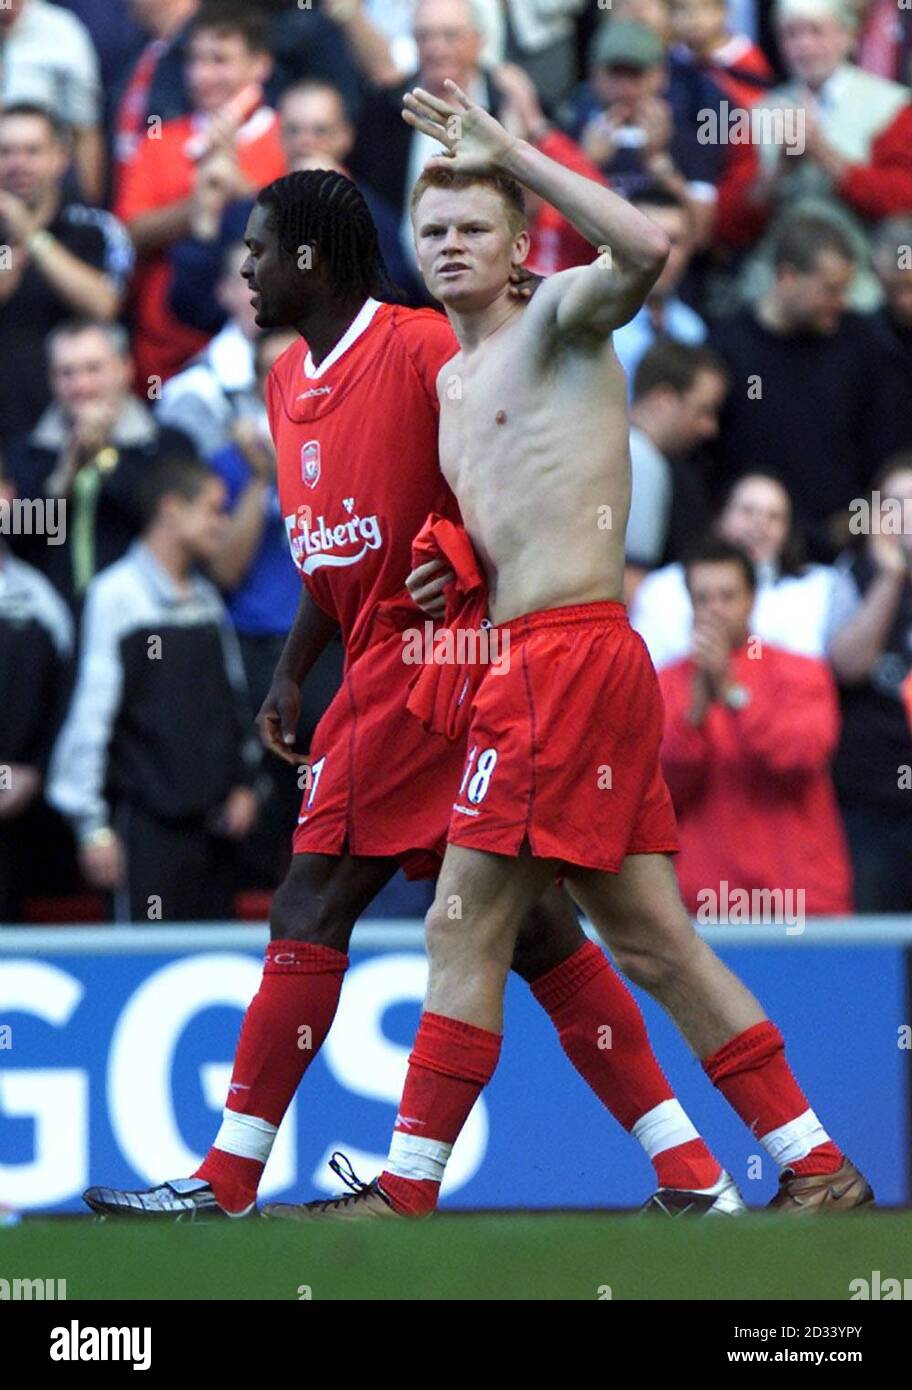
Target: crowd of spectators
x,y
770,377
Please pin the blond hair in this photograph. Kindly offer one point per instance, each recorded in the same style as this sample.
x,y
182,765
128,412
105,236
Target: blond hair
x,y
509,190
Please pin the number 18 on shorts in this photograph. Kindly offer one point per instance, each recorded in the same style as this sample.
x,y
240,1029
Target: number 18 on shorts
x,y
476,779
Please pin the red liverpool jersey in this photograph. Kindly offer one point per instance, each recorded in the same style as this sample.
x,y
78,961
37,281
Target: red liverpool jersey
x,y
358,471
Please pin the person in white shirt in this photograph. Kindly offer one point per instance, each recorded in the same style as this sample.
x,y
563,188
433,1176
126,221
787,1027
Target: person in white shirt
x,y
678,391
792,601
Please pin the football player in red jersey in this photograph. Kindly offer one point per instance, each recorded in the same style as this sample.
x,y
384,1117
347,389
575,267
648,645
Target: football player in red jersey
x,y
354,414
535,446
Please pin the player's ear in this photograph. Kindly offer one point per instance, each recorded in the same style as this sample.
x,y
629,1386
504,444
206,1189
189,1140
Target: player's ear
x,y
521,244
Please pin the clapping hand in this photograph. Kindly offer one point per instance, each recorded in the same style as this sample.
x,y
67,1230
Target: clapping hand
x,y
711,651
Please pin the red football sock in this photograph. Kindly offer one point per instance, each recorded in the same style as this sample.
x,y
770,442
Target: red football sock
x,y
751,1072
602,1031
282,1032
450,1065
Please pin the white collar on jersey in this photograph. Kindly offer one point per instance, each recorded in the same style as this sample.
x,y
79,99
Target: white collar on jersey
x,y
351,335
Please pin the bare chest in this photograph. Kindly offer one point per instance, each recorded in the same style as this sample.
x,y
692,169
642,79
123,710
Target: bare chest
x,y
485,413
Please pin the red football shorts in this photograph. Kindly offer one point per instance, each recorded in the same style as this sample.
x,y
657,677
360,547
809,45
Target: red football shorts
x,y
563,747
379,785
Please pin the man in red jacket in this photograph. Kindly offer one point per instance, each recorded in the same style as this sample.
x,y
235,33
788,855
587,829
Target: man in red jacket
x,y
749,733
229,145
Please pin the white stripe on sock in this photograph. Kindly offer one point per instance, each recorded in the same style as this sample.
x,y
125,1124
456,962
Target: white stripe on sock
x,y
663,1127
415,1158
794,1140
247,1136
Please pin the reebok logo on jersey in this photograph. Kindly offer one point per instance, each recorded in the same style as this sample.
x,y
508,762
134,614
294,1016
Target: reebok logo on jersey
x,y
312,542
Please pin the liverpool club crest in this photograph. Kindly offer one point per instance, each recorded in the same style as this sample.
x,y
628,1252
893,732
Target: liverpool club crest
x,y
310,462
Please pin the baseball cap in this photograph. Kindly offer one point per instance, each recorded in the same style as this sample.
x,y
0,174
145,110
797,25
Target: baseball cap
x,y
627,43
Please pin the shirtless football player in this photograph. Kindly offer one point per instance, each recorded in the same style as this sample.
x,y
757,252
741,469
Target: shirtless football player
x,y
562,774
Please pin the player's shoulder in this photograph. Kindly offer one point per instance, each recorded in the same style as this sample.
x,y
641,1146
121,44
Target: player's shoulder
x,y
288,361
579,308
420,328
447,372
556,284
540,312
286,368
426,341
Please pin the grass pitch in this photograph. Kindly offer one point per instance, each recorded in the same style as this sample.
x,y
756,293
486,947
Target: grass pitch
x,y
548,1255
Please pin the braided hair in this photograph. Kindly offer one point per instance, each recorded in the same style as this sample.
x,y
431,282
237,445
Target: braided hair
x,y
322,209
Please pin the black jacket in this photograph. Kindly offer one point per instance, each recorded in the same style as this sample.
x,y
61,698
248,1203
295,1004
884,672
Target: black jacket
x,y
30,460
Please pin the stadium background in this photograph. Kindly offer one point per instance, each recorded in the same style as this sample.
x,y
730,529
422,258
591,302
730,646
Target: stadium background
x,y
82,1006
